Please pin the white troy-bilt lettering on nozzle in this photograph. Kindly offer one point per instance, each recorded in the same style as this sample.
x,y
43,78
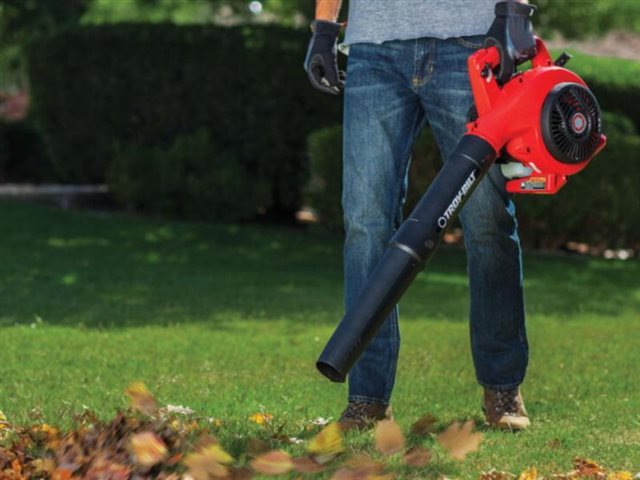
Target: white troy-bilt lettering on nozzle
x,y
444,218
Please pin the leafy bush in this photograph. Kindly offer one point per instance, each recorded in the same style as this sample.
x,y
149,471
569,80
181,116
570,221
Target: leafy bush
x,y
325,187
580,18
600,205
614,81
102,90
192,178
22,154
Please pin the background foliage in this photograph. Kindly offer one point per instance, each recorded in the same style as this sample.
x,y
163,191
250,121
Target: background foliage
x,y
599,206
145,85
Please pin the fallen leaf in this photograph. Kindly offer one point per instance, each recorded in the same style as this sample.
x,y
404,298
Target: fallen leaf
x,y
586,467
62,474
256,447
307,465
275,462
141,399
620,476
388,437
326,444
496,475
364,463
349,474
531,474
425,424
147,449
320,421
459,440
261,418
242,473
417,456
204,441
207,462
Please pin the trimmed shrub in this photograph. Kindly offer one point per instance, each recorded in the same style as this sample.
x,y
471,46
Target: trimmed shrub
x,y
193,178
99,91
325,187
599,206
614,81
22,154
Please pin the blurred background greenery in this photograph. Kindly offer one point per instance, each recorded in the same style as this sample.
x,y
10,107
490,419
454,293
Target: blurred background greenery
x,y
200,109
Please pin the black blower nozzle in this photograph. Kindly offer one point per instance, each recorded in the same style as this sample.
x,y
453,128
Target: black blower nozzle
x,y
408,252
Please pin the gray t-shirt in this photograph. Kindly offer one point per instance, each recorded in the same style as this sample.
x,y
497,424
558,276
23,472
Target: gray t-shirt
x,y
377,21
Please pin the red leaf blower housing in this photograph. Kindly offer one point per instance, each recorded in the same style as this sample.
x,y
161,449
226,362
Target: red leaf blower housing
x,y
545,118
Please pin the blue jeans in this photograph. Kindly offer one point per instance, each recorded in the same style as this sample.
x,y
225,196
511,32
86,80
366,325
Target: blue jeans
x,y
392,91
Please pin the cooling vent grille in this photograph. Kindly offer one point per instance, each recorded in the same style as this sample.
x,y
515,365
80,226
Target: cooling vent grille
x,y
571,123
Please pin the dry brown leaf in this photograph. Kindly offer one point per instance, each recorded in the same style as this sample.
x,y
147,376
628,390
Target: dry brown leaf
x,y
307,465
275,462
147,449
349,474
242,473
208,462
588,468
365,463
141,399
459,440
388,437
256,447
425,424
417,456
531,474
62,474
204,441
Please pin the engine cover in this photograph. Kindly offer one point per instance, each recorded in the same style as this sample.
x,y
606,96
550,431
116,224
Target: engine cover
x,y
545,117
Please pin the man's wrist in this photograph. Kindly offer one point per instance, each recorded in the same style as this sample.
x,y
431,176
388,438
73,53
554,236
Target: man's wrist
x,y
325,27
328,10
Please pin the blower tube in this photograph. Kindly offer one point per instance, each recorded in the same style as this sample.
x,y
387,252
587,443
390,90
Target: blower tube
x,y
408,252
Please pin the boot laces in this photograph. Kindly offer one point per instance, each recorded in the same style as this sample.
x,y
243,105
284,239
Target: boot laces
x,y
357,410
506,402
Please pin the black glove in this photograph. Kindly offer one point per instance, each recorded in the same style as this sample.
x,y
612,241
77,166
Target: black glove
x,y
321,62
512,33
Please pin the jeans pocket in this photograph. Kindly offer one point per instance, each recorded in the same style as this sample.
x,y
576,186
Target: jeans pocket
x,y
473,43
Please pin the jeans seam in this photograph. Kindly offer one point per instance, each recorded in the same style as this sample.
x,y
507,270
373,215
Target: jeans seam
x,y
509,386
366,399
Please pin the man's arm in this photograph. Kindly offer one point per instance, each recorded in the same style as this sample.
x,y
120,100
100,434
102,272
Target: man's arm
x,y
328,10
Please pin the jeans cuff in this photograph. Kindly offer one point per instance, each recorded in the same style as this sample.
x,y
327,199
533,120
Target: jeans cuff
x,y
509,386
364,399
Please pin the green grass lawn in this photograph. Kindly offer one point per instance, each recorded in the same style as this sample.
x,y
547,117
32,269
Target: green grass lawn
x,y
229,320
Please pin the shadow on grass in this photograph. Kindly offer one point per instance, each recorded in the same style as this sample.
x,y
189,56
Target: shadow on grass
x,y
71,268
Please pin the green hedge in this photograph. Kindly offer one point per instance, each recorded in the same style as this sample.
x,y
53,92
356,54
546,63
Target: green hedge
x,y
599,205
194,178
614,81
102,90
23,157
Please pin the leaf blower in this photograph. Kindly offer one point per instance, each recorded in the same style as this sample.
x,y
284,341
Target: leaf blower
x,y
544,120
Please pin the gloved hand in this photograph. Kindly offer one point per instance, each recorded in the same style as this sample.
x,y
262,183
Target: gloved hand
x,y
321,62
512,33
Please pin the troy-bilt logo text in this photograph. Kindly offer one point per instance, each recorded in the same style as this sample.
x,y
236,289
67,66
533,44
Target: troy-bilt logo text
x,y
448,213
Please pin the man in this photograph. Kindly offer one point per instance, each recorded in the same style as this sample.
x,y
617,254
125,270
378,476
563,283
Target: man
x,y
407,68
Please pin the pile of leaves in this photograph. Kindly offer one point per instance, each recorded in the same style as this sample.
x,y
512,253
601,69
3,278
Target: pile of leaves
x,y
170,443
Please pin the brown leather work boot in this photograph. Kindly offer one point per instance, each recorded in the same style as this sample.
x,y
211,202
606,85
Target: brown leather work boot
x,y
505,409
360,415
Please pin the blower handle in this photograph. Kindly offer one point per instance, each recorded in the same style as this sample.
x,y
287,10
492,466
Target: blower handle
x,y
484,84
409,250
